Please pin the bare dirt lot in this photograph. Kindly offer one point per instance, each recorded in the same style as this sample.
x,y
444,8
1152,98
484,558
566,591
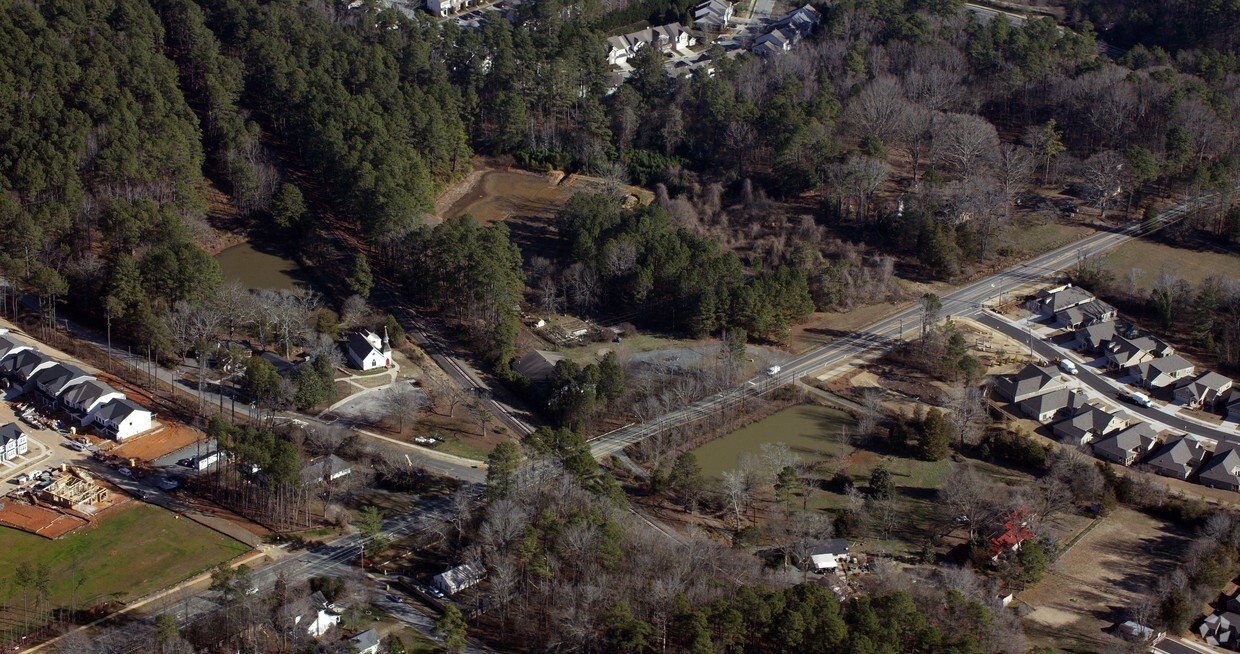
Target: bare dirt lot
x,y
1097,582
496,195
153,446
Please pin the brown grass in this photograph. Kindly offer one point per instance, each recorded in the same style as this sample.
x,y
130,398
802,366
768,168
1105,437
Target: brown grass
x,y
1151,258
1101,578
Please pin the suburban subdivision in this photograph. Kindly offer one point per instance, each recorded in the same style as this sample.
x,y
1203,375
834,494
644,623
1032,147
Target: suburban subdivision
x,y
638,326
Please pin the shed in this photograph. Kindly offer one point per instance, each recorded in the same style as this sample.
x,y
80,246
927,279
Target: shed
x,y
455,580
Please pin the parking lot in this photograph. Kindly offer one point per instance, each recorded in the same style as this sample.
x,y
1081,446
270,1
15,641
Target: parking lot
x,y
47,449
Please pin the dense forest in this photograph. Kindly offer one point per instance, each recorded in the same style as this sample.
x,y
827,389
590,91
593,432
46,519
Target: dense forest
x,y
369,112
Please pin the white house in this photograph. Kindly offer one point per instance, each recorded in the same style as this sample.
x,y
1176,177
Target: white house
x,y
119,419
315,614
455,580
13,442
85,397
663,38
444,7
829,555
367,350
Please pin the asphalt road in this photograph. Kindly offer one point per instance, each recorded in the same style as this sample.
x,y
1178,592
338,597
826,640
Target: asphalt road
x,y
1104,386
498,401
326,559
965,301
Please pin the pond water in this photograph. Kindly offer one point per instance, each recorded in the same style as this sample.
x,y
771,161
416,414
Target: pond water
x,y
258,269
811,431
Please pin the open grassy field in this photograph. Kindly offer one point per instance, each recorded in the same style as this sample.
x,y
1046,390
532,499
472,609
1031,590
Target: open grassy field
x,y
1096,582
413,642
1032,239
1151,258
813,432
130,553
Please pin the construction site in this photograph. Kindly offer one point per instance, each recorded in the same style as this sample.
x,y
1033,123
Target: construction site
x,y
61,502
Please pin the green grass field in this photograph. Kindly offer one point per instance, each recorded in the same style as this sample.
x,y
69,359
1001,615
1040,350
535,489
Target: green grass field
x,y
129,554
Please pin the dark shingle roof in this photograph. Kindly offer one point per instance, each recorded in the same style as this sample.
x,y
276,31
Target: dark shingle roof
x,y
117,410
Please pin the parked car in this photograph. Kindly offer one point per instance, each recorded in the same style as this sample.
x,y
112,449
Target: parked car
x,y
1067,366
127,472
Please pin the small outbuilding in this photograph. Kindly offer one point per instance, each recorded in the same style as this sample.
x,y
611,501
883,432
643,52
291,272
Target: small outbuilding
x,y
455,580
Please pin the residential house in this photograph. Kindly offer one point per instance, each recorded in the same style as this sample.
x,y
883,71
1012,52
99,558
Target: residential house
x,y
1127,446
1094,338
712,15
1029,382
829,554
803,19
1051,302
455,580
1206,390
1048,406
13,442
1123,352
794,26
10,346
1090,422
85,397
314,614
20,367
366,642
774,42
1233,404
1163,372
537,366
1221,629
119,419
442,8
1012,531
325,469
664,38
1178,458
283,366
1222,470
54,380
1084,315
366,350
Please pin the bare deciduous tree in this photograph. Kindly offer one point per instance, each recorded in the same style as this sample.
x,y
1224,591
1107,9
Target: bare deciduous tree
x,y
964,142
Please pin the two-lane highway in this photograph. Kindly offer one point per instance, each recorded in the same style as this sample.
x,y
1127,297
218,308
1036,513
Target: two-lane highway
x,y
965,301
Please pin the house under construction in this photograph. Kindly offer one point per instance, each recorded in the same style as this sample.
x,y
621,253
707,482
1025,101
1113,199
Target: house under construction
x,y
73,488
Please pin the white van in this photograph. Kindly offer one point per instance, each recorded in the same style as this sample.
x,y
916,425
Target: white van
x,y
1141,399
1067,366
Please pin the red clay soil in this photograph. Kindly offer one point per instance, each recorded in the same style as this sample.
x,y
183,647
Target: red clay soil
x,y
38,520
152,446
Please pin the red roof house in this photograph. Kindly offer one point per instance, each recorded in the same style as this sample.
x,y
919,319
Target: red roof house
x,y
1013,532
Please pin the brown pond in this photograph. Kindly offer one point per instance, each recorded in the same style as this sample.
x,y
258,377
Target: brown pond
x,y
257,269
499,195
